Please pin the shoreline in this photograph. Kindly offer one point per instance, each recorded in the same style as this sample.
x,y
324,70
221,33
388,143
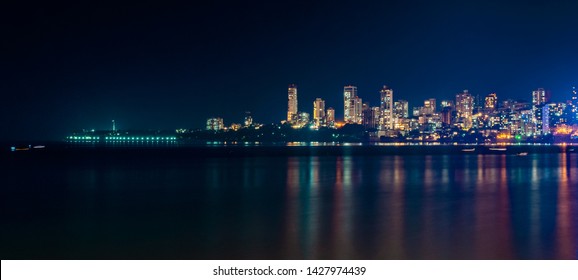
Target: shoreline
x,y
61,149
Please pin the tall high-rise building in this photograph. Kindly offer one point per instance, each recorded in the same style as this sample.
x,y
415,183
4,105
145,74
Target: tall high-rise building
x,y
292,115
539,97
318,112
416,111
375,115
448,103
557,113
358,105
248,119
465,108
478,103
387,115
542,119
330,117
574,104
491,102
446,115
401,109
368,119
429,106
352,105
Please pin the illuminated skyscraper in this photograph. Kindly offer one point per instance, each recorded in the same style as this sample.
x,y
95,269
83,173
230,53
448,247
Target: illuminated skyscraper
x,y
542,119
352,105
292,115
330,117
491,102
446,115
318,112
387,116
303,119
465,108
429,106
248,119
371,116
539,97
215,124
401,109
447,103
574,104
358,105
375,115
557,113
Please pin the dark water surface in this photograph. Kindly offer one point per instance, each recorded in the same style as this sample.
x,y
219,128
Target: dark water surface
x,y
160,205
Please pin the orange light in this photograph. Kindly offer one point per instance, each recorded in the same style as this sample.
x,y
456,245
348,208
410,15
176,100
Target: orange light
x,y
503,136
339,124
563,130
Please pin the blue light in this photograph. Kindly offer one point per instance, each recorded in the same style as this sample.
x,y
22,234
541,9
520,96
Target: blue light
x,y
13,149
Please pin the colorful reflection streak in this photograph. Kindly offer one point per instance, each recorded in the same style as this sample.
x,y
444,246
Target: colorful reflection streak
x,y
433,207
297,207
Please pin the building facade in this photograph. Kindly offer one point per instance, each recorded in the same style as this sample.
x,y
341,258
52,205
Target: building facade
x,y
215,124
292,115
491,102
330,117
401,109
387,114
464,109
319,112
352,106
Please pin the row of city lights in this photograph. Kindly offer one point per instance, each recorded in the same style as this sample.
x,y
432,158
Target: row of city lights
x,y
119,138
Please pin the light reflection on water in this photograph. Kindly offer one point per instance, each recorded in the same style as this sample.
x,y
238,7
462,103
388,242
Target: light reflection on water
x,y
307,207
497,207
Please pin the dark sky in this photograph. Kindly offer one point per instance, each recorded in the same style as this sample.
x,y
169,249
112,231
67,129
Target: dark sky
x,y
157,65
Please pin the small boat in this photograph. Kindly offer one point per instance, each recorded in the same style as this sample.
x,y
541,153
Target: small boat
x,y
469,150
571,150
522,154
39,147
499,149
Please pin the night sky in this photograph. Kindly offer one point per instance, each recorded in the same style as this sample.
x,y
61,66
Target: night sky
x,y
162,66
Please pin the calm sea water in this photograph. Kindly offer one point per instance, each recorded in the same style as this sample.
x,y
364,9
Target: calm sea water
x,y
165,205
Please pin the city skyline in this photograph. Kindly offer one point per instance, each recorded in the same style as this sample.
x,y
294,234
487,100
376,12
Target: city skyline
x,y
161,66
248,138
389,105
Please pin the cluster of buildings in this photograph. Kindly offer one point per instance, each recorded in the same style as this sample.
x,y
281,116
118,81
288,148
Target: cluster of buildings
x,y
321,117
490,116
217,123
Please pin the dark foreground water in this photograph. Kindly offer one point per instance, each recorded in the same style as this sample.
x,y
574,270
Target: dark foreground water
x,y
190,205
